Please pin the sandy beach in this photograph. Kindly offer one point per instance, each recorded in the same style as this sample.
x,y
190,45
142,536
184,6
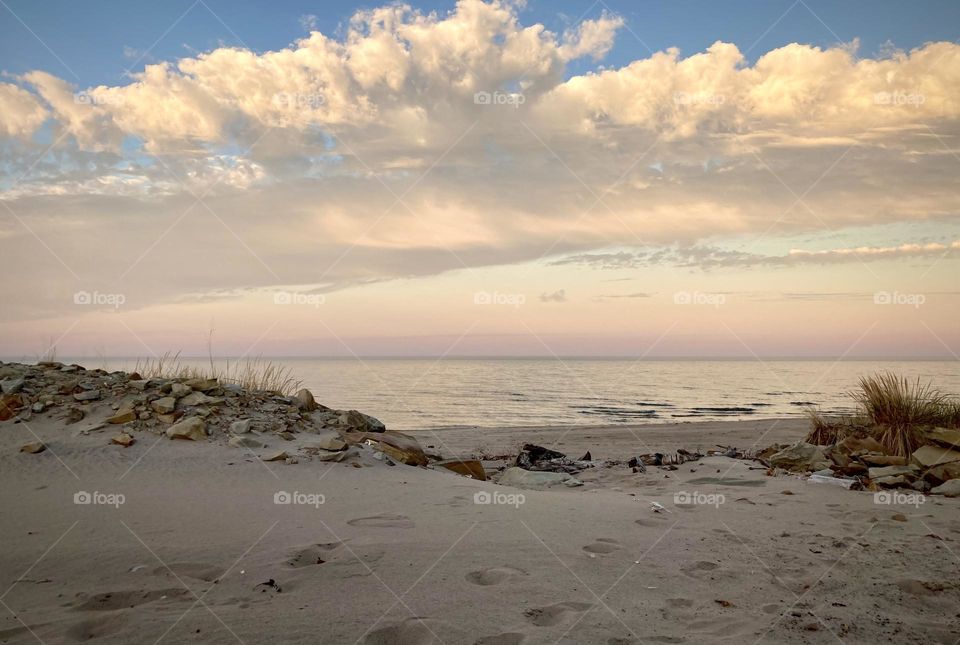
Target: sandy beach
x,y
184,541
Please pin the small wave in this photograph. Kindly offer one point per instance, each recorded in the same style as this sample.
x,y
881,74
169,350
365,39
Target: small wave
x,y
730,410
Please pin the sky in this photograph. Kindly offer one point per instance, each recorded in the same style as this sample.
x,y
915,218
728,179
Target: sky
x,y
500,178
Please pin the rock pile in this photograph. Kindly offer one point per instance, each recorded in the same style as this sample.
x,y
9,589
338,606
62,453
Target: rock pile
x,y
205,410
934,467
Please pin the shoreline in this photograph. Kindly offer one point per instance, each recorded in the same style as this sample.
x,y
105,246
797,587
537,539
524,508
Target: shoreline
x,y
208,542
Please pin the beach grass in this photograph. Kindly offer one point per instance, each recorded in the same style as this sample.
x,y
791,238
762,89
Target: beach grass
x,y
894,410
252,373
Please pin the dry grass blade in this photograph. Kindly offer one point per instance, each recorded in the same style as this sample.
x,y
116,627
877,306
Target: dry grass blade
x,y
254,374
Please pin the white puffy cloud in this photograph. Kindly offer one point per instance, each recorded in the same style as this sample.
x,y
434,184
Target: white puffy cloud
x,y
370,156
20,111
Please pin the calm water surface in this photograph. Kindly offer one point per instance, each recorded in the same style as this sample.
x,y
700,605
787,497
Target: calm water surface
x,y
425,393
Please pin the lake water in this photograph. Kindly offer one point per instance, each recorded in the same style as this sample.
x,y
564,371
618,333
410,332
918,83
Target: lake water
x,y
426,393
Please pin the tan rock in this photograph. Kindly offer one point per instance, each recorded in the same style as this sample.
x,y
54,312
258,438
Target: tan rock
x,y
203,384
950,488
33,447
943,473
400,447
126,415
190,428
9,404
305,400
244,442
931,455
166,405
947,437
123,439
330,443
467,467
875,459
276,456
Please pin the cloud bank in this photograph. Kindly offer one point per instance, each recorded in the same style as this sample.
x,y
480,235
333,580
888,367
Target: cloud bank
x,y
417,144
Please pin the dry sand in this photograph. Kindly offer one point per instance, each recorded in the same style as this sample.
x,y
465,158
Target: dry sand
x,y
404,555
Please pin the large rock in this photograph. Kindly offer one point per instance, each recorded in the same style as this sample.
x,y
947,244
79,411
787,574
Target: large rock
x,y
124,415
354,421
396,445
305,400
87,395
950,488
930,455
943,473
946,437
202,384
893,471
11,385
166,405
800,457
242,426
467,467
198,398
192,428
520,478
9,405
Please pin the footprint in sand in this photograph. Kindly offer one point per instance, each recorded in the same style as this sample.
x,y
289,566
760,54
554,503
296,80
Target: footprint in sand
x,y
415,631
312,555
603,546
494,575
111,600
96,627
699,569
555,614
508,638
386,521
198,570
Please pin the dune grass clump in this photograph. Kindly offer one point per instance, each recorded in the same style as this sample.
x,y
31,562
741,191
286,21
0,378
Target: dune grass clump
x,y
826,431
893,410
900,410
253,373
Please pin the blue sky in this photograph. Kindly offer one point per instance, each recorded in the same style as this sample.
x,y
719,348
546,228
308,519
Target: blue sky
x,y
98,42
